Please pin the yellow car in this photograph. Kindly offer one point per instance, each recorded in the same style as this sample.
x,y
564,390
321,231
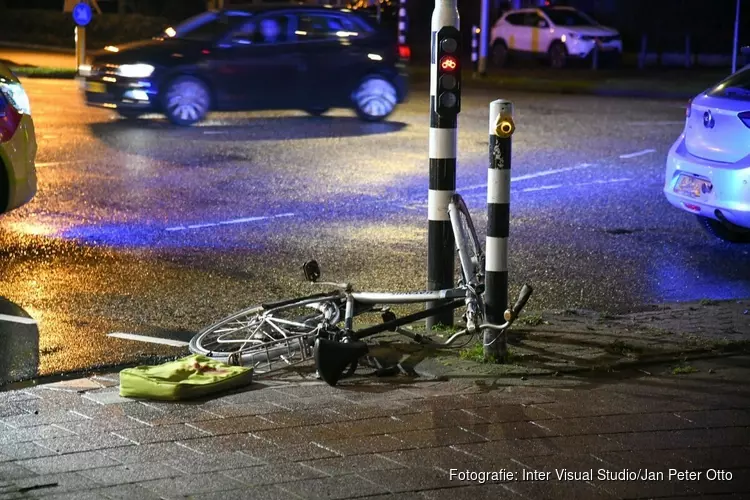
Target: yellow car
x,y
17,144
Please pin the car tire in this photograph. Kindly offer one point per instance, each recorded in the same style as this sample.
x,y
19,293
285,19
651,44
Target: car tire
x,y
723,232
375,99
499,54
186,100
317,111
558,55
129,114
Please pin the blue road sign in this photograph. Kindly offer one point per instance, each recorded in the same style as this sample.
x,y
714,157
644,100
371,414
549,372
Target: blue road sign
x,y
82,14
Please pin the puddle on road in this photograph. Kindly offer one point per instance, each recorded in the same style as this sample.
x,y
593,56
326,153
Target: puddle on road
x,y
19,343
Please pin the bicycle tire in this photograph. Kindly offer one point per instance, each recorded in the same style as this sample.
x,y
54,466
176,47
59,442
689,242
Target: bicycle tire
x,y
257,334
474,248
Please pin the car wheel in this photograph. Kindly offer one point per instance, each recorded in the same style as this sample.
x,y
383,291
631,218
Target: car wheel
x,y
558,55
724,232
186,100
317,111
130,114
375,99
499,54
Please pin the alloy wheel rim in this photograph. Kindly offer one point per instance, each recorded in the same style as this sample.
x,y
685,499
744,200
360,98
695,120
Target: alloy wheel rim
x,y
376,97
187,100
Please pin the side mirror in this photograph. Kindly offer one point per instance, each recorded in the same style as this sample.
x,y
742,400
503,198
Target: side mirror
x,y
311,270
543,24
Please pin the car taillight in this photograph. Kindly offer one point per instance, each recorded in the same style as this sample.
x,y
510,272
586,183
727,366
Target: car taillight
x,y
9,119
745,117
404,52
689,108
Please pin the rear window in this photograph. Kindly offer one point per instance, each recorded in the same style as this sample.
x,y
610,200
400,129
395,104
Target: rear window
x,y
569,17
736,86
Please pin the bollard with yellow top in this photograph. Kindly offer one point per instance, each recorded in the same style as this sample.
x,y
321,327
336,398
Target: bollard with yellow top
x,y
501,128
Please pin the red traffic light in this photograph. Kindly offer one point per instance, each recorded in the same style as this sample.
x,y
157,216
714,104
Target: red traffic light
x,y
448,63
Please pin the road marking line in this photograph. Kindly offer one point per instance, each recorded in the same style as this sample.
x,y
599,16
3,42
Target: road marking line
x,y
17,319
228,222
542,188
663,122
146,338
638,153
215,132
531,176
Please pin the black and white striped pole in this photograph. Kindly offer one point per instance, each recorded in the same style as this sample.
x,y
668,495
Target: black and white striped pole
x,y
475,49
403,22
445,104
498,224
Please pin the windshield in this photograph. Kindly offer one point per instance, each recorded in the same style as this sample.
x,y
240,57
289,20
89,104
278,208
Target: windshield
x,y
736,86
206,26
569,17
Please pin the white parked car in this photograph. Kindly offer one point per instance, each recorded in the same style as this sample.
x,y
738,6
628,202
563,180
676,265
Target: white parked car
x,y
557,33
708,167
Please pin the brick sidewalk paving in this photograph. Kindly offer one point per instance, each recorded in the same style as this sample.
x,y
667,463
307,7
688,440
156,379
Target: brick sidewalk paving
x,y
290,439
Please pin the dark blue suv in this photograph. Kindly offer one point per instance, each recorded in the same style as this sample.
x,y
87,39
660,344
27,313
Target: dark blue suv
x,y
292,57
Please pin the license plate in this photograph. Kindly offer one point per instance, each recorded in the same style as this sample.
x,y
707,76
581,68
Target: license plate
x,y
96,87
694,187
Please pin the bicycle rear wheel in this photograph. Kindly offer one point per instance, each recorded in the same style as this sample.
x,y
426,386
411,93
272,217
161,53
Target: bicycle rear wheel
x,y
471,256
269,338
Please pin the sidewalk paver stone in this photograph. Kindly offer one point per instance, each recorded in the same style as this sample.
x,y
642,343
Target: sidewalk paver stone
x,y
128,492
717,418
364,444
616,424
193,463
437,437
510,413
191,484
131,473
38,433
54,484
221,444
273,474
334,487
510,430
153,452
235,425
411,479
267,492
339,466
43,418
691,438
488,491
102,425
541,490
144,435
86,442
295,453
68,463
27,449
10,471
244,410
438,419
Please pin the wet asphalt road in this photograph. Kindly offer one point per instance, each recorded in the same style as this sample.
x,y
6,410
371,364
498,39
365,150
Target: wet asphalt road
x,y
146,228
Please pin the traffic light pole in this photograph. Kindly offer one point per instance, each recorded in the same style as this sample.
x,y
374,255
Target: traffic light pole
x,y
445,100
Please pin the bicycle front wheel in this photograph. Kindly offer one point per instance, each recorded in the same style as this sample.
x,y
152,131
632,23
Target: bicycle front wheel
x,y
269,338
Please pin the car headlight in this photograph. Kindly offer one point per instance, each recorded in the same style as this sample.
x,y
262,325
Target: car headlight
x,y
135,70
17,96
